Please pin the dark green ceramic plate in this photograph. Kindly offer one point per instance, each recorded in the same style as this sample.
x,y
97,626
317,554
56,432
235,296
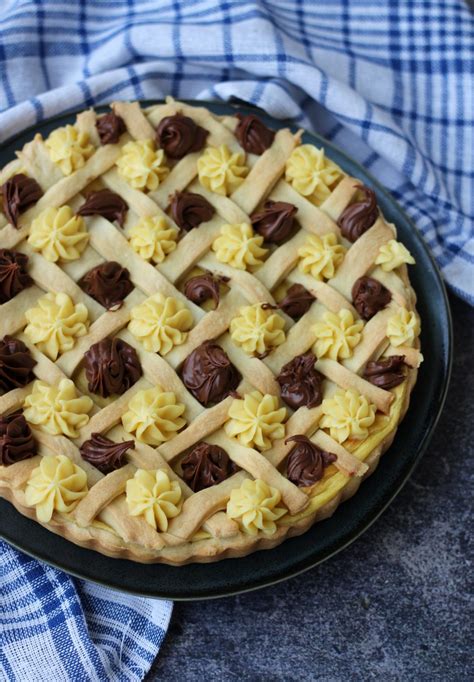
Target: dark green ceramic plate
x,y
201,581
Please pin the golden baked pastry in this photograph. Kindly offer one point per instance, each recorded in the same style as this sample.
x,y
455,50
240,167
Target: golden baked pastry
x,y
208,336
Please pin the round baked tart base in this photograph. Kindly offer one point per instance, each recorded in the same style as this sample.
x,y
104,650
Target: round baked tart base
x,y
264,181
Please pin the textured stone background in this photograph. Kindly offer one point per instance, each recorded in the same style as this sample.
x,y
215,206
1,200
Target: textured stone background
x,y
394,605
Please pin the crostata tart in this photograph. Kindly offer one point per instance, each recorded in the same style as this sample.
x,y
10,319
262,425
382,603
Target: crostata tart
x,y
207,333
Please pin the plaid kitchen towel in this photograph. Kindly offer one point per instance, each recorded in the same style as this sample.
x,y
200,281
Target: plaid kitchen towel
x,y
54,628
390,81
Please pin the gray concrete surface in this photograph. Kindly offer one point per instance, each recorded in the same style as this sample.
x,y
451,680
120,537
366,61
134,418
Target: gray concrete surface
x,y
393,606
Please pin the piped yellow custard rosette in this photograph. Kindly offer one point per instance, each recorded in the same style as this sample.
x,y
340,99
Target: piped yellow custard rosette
x,y
239,246
347,415
153,238
160,323
311,173
257,330
321,256
55,323
221,170
56,485
337,334
69,148
255,507
256,421
152,495
154,416
58,234
141,165
57,409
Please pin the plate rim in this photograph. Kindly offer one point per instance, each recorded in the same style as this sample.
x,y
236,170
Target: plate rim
x,y
308,563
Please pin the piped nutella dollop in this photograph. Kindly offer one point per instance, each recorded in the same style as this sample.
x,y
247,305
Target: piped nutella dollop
x,y
16,440
275,222
206,465
297,301
112,367
19,193
386,373
13,275
208,373
189,210
300,383
16,364
253,135
108,283
202,288
369,296
357,218
105,203
306,462
104,454
110,128
179,135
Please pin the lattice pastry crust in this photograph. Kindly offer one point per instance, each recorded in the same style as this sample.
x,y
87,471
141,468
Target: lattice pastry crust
x,y
188,356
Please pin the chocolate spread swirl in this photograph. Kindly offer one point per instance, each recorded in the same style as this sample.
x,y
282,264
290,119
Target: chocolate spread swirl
x,y
105,203
19,193
208,373
369,296
13,275
201,288
306,461
297,301
16,440
300,383
206,465
253,135
386,373
358,217
104,454
179,135
16,364
190,210
109,284
111,367
110,127
275,222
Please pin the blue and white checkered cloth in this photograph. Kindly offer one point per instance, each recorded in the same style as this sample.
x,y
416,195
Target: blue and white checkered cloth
x,y
389,81
54,628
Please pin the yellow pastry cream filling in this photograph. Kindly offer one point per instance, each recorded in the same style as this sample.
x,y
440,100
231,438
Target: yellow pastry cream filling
x,y
256,420
403,328
55,323
153,238
56,485
57,409
255,507
142,165
160,323
393,254
239,246
69,148
58,234
337,334
311,173
334,481
257,330
154,416
221,170
152,495
347,415
321,256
